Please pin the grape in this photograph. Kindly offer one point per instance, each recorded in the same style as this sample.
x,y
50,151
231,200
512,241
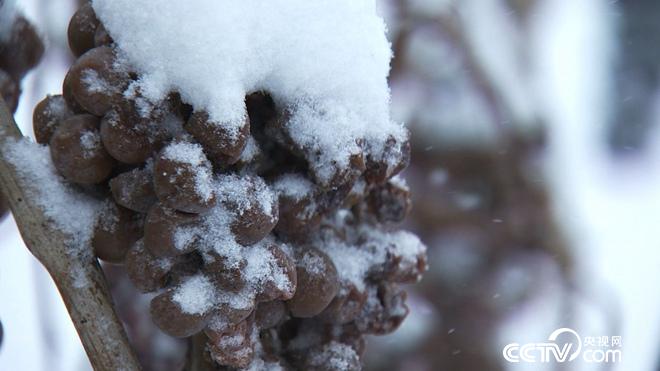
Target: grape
x,y
102,37
82,29
116,230
269,314
182,185
222,146
169,317
125,139
317,284
77,151
22,50
134,189
47,116
147,272
389,202
95,82
160,230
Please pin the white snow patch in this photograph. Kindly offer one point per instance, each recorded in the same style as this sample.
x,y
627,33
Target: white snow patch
x,y
324,61
196,295
70,210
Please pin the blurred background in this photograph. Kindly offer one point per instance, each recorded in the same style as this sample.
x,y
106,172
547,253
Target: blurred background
x,y
535,175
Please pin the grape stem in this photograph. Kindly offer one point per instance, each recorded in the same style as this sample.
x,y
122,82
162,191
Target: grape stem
x,y
90,307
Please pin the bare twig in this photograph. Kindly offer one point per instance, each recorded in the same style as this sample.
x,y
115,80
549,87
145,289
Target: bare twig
x,y
90,307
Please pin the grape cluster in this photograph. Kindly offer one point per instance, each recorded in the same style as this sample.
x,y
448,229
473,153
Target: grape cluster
x,y
226,224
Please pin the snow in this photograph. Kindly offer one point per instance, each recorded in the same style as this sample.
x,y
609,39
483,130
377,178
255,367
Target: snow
x,y
214,237
195,295
335,356
71,211
193,154
294,186
251,150
367,248
328,68
108,217
95,83
186,153
312,263
90,142
244,191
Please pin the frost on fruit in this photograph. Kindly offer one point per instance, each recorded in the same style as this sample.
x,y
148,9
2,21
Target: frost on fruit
x,y
249,153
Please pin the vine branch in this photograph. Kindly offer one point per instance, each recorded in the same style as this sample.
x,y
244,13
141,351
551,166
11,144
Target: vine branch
x,y
90,307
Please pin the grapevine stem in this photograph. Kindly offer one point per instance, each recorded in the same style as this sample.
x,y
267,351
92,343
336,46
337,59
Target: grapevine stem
x,y
90,306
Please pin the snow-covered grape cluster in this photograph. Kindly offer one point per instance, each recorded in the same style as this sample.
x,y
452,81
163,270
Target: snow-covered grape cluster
x,y
243,232
21,49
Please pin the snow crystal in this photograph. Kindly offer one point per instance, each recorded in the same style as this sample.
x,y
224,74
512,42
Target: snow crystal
x,y
95,83
365,248
312,263
90,142
108,217
215,238
251,150
262,266
71,211
242,191
336,356
352,263
186,153
399,182
193,154
325,61
294,186
196,295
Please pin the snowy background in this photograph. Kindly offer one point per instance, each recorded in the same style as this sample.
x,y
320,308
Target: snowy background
x,y
584,71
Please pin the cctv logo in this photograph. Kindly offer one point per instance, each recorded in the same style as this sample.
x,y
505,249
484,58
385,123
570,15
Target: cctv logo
x,y
545,352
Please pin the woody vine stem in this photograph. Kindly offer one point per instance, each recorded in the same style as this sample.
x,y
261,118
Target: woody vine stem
x,y
90,307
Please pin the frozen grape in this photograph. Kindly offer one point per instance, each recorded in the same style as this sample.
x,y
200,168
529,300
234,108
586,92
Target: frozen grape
x,y
124,138
82,29
395,158
183,178
47,116
134,189
171,318
115,232
168,232
271,290
390,202
317,284
96,82
77,151
346,306
146,271
256,212
102,37
269,314
22,50
222,145
234,346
